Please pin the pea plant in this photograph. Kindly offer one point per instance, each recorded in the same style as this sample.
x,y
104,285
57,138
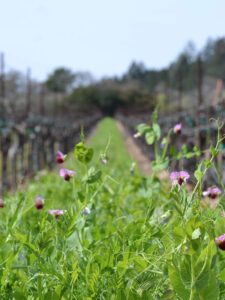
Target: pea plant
x,y
98,229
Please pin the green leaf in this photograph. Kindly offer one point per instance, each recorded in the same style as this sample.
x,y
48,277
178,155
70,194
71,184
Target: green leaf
x,y
150,137
142,128
159,166
173,151
207,163
196,234
155,116
198,173
94,177
83,153
211,290
185,149
214,151
156,130
82,134
177,284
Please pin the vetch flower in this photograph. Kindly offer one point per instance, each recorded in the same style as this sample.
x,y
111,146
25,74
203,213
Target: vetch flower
x,y
66,174
179,177
57,212
136,135
86,211
104,161
177,128
1,203
220,241
212,192
60,157
39,203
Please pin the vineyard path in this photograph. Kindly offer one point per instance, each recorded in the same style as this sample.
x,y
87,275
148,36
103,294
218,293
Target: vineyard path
x,y
134,150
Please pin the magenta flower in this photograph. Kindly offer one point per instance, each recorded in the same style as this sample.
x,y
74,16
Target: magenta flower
x,y
1,203
179,177
60,157
66,174
57,212
86,211
220,241
39,203
104,161
212,192
136,135
177,128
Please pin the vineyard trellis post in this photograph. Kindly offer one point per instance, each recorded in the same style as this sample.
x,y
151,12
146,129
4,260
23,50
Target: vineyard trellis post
x,y
199,82
180,88
28,92
2,81
42,100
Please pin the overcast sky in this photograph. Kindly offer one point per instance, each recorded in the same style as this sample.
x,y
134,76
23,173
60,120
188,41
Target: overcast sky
x,y
103,36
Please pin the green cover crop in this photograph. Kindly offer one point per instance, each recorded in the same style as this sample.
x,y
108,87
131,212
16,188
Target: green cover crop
x,y
97,229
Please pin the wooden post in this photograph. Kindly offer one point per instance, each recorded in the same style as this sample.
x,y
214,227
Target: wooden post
x,y
199,64
42,99
21,155
2,81
180,88
28,94
5,144
199,79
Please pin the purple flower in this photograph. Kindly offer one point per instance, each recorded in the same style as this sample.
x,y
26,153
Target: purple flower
x,y
39,203
136,135
66,174
86,211
57,212
104,161
179,177
220,241
60,157
177,128
1,203
212,192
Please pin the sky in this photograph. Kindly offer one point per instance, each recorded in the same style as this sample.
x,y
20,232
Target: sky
x,y
103,36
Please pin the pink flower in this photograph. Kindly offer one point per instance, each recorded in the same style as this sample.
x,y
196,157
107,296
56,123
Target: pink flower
x,y
104,161
39,203
179,177
57,212
220,241
1,203
136,135
177,128
66,174
60,157
212,192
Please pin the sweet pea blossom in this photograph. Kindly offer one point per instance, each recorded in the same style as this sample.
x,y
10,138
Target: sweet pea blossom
x,y
1,203
212,192
60,157
177,128
57,212
104,161
39,203
86,211
220,241
179,177
66,174
136,135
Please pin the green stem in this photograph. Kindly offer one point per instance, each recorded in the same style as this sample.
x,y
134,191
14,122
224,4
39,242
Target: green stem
x,y
192,279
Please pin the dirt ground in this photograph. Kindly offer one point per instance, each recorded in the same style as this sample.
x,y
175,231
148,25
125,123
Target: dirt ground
x,y
135,152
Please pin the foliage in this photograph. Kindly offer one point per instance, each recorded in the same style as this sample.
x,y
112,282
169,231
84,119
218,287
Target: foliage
x,y
142,240
60,81
109,99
